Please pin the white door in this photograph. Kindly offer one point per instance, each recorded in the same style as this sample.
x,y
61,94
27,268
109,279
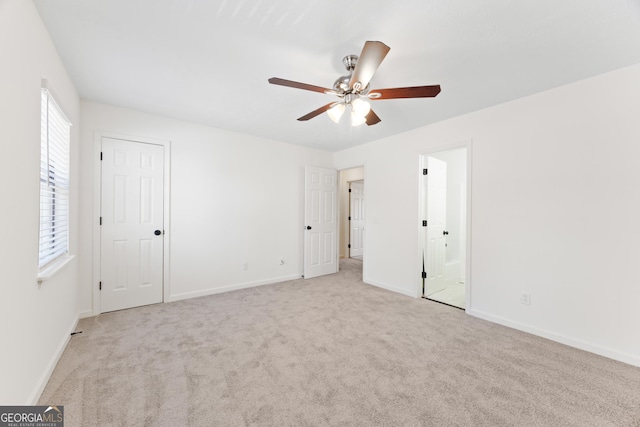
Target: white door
x,y
321,224
356,215
131,234
435,239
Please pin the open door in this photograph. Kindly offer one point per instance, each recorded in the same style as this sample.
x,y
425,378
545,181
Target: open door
x,y
321,222
436,209
356,219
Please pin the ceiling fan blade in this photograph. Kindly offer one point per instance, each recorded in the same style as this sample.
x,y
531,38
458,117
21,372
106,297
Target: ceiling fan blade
x,y
405,92
372,118
370,59
298,85
317,112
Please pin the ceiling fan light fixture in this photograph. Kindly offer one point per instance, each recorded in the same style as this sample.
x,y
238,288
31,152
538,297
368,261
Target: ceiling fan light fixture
x,y
336,112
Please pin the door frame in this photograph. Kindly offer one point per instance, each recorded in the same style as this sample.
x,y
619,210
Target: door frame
x,y
95,221
468,144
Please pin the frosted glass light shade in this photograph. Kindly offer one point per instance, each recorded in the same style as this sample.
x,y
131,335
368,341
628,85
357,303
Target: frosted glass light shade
x,y
360,107
357,120
336,112
359,111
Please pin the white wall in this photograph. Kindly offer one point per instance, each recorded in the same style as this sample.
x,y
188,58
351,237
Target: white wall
x,y
35,321
235,199
346,176
555,211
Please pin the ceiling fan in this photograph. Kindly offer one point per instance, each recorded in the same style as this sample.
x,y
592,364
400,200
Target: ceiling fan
x,y
354,86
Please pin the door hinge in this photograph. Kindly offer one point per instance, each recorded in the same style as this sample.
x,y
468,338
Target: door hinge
x,y
101,155
424,274
349,218
425,171
100,220
424,223
349,246
349,190
100,286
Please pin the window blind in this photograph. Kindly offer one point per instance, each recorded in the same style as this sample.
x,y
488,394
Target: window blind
x,y
55,132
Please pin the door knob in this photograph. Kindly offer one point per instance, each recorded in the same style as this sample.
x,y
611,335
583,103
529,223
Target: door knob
x,y
157,232
308,227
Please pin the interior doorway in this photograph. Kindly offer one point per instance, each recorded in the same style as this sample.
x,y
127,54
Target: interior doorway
x,y
132,224
444,231
132,189
348,177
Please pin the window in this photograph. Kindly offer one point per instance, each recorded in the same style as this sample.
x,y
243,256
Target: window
x,y
55,131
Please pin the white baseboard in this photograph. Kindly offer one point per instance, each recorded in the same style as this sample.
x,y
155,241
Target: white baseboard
x,y
213,291
85,314
572,342
46,375
391,288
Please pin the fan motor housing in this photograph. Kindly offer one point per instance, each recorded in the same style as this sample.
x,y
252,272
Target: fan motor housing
x,y
341,85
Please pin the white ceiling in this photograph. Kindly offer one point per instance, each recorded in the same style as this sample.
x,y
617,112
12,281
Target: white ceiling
x,y
208,61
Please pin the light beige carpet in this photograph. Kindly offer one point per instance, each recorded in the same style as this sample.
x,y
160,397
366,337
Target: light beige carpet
x,y
329,351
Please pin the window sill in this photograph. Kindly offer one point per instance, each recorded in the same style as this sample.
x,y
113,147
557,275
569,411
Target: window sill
x,y
52,269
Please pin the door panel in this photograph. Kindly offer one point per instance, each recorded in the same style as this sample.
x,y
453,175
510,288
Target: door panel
x,y
356,204
131,259
320,254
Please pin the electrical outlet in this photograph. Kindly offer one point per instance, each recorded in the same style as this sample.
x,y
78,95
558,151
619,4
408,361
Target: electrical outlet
x,y
525,298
